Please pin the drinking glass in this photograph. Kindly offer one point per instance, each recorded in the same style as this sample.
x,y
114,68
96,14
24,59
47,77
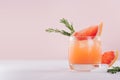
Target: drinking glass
x,y
85,54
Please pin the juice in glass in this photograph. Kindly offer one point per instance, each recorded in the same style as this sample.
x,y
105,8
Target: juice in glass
x,y
84,55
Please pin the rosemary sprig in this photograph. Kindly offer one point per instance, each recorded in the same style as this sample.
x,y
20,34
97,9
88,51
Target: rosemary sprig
x,y
114,70
67,24
58,31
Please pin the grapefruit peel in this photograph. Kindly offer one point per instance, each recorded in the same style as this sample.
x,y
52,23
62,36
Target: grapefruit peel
x,y
115,58
100,26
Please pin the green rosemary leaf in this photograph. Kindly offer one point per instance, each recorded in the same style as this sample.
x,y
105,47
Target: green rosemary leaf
x,y
114,70
52,30
58,31
72,31
65,33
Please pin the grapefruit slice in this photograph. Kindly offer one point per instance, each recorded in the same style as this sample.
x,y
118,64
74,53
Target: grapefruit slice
x,y
109,57
92,31
89,31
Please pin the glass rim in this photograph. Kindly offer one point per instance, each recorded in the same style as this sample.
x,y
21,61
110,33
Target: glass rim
x,y
84,37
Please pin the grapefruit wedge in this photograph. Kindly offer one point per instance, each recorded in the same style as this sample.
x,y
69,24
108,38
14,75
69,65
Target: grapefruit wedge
x,y
109,57
92,31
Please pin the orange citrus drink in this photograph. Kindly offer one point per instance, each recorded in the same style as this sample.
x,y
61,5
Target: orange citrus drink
x,y
85,47
84,52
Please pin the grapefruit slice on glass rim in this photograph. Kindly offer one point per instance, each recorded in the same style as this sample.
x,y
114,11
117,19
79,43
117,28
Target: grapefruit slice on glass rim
x,y
109,57
92,31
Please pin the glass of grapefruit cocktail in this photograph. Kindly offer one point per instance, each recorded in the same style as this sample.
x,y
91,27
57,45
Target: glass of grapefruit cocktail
x,y
84,54
85,49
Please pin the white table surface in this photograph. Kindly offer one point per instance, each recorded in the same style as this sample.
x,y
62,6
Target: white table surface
x,y
49,70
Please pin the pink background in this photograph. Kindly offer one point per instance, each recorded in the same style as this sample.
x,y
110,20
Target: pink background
x,y
23,24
